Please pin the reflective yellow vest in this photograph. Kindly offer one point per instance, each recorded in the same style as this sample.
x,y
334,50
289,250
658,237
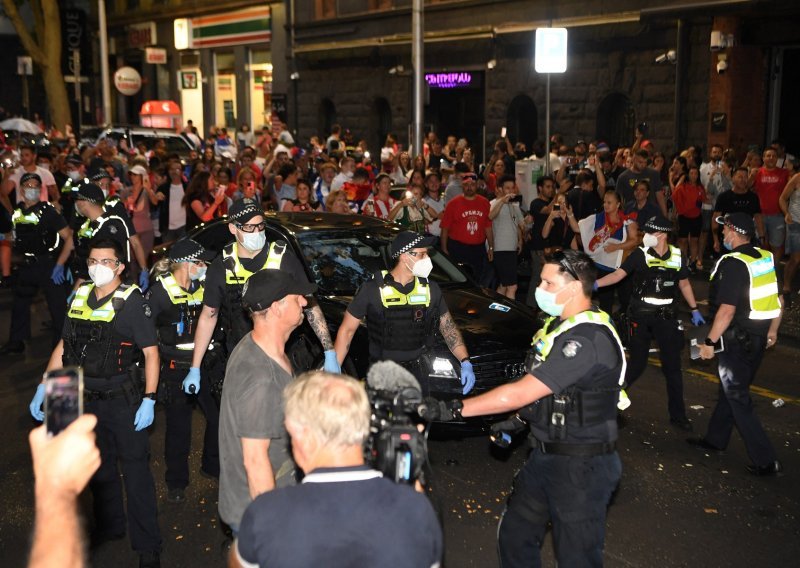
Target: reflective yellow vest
x,y
391,297
79,308
178,295
763,293
240,274
32,218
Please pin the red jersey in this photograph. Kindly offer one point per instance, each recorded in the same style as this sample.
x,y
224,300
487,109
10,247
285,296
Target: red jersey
x,y
769,185
688,199
466,220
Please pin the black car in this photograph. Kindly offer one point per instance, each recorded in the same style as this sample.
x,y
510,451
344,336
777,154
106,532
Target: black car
x,y
342,251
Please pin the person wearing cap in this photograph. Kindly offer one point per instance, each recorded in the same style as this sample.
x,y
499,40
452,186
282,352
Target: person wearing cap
x,y
403,310
255,456
467,229
44,241
658,272
568,398
27,164
107,330
222,300
381,204
75,169
746,309
175,300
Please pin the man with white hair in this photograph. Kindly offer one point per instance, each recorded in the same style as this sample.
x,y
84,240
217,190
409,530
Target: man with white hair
x,y
344,513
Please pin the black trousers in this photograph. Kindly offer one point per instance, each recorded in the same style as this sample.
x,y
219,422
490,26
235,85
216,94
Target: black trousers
x,y
474,256
573,493
121,447
179,407
737,368
669,338
31,277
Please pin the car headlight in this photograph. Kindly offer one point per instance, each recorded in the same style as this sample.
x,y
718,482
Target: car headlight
x,y
442,367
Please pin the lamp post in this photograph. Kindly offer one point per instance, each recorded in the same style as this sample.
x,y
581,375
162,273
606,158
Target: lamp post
x,y
550,57
104,72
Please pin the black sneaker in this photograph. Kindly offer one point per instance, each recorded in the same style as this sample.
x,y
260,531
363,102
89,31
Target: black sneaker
x,y
773,469
683,423
176,495
149,560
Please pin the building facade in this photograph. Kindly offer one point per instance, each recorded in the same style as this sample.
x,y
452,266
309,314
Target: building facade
x,y
628,63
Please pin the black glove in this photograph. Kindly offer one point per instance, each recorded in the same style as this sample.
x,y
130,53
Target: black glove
x,y
434,410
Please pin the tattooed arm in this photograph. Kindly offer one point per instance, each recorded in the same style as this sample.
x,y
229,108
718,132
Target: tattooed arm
x,y
317,322
202,335
452,337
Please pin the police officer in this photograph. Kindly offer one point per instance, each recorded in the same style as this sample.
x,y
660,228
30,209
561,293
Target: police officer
x,y
572,387
107,330
222,299
658,271
68,182
403,310
41,234
747,312
175,300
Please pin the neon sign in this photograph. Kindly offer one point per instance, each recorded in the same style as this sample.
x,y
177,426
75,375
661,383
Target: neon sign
x,y
448,80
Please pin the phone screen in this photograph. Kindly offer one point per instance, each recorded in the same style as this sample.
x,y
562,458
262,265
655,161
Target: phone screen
x,y
63,399
503,132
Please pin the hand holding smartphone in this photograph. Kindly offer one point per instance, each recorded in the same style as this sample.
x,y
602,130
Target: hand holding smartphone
x,y
63,398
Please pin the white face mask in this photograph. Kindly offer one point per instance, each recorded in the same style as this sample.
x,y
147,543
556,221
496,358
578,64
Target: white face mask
x,y
422,268
649,240
74,175
105,192
30,194
101,275
198,273
254,241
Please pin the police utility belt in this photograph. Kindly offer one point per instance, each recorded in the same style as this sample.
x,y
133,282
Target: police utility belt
x,y
559,449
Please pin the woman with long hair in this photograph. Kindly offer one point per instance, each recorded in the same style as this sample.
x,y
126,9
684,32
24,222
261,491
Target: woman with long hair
x,y
203,200
302,200
404,163
336,202
688,197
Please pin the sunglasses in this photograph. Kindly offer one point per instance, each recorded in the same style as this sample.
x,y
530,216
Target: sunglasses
x,y
252,228
564,263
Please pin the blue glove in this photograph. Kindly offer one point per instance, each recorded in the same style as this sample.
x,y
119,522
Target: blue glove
x,y
192,380
145,414
144,279
71,297
467,376
57,276
37,402
331,362
697,318
68,276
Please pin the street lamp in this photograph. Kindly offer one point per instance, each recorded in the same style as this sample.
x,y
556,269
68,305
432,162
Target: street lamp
x,y
550,57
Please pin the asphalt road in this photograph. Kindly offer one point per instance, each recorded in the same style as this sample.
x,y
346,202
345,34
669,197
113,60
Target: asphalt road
x,y
676,506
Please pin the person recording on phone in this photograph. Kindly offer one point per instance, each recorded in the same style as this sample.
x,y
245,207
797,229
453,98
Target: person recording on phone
x,y
62,466
508,224
338,515
171,213
175,300
108,328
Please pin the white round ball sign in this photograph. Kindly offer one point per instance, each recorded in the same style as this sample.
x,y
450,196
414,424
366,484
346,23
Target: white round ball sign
x,y
127,81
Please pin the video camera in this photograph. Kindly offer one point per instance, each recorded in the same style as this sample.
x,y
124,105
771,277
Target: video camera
x,y
395,445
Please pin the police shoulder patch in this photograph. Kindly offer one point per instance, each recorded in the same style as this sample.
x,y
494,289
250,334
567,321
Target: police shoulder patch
x,y
112,229
147,311
571,348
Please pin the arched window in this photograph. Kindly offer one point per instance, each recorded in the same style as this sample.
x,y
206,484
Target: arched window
x,y
522,121
381,122
615,120
327,116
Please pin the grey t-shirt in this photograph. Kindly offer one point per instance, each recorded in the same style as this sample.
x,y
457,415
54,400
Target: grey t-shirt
x,y
628,179
505,227
251,408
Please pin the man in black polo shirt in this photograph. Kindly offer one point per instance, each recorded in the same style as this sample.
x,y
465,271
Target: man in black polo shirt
x,y
344,513
738,199
539,211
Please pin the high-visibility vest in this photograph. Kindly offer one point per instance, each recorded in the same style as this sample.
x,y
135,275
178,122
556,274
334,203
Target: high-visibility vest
x,y
763,293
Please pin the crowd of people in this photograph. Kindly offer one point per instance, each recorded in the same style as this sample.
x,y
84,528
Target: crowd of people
x,y
624,225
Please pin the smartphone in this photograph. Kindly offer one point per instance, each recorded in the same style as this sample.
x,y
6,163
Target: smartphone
x,y
503,132
63,398
556,207
516,199
694,347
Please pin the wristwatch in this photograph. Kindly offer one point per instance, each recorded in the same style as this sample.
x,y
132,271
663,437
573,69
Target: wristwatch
x,y
709,342
150,395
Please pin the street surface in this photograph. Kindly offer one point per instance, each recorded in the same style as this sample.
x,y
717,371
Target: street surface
x,y
676,505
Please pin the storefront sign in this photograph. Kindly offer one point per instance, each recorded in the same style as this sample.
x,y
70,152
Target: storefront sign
x,y
142,35
188,79
457,80
75,42
241,27
127,81
155,55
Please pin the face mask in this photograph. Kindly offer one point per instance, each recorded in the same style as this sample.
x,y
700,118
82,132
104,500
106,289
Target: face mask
x,y
547,302
45,166
422,268
101,275
30,194
254,241
105,192
649,240
727,245
74,175
198,274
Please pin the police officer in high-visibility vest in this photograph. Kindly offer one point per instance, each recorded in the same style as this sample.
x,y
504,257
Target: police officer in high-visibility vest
x,y
107,331
175,300
74,174
404,309
222,299
569,397
746,308
44,241
659,272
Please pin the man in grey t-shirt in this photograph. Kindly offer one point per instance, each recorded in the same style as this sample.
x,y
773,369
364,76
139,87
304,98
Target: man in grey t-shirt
x,y
254,446
627,180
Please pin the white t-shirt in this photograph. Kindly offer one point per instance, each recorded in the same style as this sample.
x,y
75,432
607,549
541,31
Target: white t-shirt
x,y
504,226
47,180
438,206
177,212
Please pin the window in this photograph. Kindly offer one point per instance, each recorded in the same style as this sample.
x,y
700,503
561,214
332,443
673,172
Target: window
x,y
615,120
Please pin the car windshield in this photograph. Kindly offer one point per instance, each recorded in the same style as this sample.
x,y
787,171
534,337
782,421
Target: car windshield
x,y
340,261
